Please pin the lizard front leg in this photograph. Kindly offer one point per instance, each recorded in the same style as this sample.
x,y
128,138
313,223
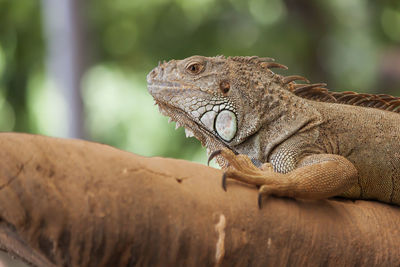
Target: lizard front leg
x,y
317,176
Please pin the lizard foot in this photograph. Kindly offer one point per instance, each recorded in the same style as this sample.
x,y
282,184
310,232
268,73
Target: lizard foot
x,y
241,168
320,176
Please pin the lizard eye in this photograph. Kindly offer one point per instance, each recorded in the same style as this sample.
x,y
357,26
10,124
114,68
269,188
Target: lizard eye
x,y
195,68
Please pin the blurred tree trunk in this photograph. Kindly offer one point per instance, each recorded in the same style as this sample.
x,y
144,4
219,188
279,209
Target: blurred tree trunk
x,y
63,28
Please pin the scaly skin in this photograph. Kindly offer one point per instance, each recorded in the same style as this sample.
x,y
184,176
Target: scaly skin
x,y
288,145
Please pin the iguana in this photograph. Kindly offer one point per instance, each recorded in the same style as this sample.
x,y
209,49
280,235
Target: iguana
x,y
289,139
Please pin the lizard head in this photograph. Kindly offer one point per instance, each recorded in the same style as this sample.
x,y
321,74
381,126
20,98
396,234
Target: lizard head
x,y
218,100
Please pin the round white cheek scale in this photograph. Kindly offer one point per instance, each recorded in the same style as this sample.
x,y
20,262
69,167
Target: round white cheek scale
x,y
226,125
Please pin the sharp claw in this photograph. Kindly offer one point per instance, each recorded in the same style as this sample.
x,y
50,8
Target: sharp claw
x,y
213,155
259,200
224,182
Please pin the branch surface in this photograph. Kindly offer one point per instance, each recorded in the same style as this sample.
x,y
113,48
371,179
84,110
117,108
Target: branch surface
x,y
77,203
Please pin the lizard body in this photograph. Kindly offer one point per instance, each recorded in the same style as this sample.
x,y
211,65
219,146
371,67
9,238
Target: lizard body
x,y
305,141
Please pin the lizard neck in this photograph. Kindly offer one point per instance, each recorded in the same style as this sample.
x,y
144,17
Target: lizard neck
x,y
293,115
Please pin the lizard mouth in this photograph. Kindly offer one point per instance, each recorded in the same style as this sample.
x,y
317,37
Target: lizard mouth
x,y
174,113
192,129
215,115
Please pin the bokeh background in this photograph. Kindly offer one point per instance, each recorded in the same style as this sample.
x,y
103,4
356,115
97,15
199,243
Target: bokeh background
x,y
77,69
73,68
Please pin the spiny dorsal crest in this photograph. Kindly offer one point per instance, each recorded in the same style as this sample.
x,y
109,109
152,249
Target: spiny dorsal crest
x,y
319,92
252,59
264,62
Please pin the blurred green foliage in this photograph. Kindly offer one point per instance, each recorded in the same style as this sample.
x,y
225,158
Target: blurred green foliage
x,y
351,44
21,56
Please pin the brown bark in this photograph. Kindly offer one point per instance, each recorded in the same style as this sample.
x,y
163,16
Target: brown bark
x,y
76,203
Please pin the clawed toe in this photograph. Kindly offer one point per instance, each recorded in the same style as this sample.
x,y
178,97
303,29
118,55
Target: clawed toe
x,y
259,200
224,181
213,155
263,191
241,168
226,153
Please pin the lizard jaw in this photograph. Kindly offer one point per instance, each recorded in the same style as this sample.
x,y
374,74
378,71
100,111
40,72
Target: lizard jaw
x,y
183,120
192,129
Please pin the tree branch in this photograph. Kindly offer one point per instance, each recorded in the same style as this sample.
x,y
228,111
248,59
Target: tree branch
x,y
76,203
